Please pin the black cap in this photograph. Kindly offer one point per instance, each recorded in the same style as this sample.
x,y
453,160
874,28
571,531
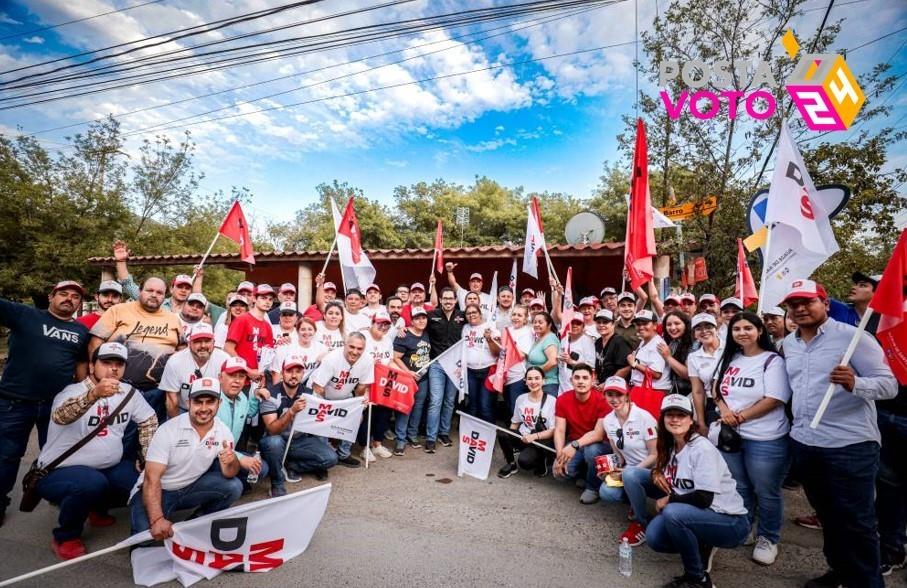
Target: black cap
x,y
861,277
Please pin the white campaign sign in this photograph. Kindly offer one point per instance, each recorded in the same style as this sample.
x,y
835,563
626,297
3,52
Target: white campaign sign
x,y
334,419
476,446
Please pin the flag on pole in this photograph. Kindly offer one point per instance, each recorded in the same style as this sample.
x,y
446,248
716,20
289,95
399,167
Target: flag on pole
x,y
512,281
567,310
453,360
745,289
493,293
639,247
890,301
535,239
236,229
476,447
508,357
801,237
439,248
254,537
393,389
358,271
334,419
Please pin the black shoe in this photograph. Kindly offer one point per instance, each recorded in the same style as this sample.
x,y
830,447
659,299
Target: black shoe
x,y
349,461
445,440
686,581
429,447
321,475
891,563
414,443
542,470
508,470
829,579
707,555
400,449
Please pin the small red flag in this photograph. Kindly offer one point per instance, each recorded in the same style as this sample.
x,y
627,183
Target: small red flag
x,y
235,228
700,271
509,357
393,389
890,301
745,288
439,248
349,226
639,247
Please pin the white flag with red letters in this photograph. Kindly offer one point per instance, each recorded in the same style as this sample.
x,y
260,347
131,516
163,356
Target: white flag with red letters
x,y
476,446
334,419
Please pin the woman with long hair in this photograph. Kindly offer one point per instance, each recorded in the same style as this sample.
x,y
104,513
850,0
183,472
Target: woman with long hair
x,y
751,390
700,508
646,360
310,350
481,353
545,350
521,333
237,305
678,340
329,331
533,419
701,365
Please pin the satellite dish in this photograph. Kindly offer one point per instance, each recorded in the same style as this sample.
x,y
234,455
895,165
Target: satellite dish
x,y
585,228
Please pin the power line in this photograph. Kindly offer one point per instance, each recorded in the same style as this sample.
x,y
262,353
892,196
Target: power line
x,y
83,19
876,40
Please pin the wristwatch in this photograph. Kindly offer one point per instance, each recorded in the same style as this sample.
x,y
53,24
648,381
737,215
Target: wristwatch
x,y
574,444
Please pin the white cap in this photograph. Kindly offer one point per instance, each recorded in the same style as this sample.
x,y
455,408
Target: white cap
x,y
732,301
475,276
182,279
287,287
708,298
805,289
234,364
644,315
205,387
626,296
703,317
616,383
236,298
381,317
245,286
588,301
294,360
537,302
201,330
607,290
373,287
113,350
774,311
110,286
264,290
197,297
288,307
604,314
677,402
329,286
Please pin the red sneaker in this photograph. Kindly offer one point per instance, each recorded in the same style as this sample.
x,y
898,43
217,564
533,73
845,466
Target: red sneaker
x,y
635,534
68,549
809,521
97,519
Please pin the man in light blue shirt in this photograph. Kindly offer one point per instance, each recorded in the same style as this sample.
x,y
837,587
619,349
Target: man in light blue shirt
x,y
838,460
235,408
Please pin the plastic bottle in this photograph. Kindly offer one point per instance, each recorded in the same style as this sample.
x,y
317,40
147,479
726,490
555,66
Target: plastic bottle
x,y
625,558
252,478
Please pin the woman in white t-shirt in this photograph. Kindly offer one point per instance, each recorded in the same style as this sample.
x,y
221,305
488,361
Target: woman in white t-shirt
x,y
329,331
533,419
579,348
751,392
631,432
701,366
699,508
236,306
646,360
481,353
521,333
310,350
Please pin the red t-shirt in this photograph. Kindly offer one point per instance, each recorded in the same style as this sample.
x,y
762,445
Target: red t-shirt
x,y
89,319
581,416
407,312
251,335
313,313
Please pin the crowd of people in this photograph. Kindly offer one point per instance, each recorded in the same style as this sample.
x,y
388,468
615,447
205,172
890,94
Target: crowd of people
x,y
694,412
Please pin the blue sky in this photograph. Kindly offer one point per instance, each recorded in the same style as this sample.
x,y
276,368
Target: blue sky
x,y
543,126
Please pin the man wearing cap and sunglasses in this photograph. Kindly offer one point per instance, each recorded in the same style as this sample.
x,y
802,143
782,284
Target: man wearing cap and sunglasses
x,y
200,359
46,349
192,312
110,292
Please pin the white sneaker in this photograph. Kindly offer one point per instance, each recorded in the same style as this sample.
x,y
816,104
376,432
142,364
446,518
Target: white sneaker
x,y
367,455
589,497
765,551
382,451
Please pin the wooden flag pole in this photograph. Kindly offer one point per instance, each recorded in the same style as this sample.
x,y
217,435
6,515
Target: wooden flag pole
x,y
434,260
324,268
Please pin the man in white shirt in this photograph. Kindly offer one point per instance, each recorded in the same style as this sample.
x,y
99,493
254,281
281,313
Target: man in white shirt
x,y
192,312
373,301
190,465
354,319
475,285
199,360
95,477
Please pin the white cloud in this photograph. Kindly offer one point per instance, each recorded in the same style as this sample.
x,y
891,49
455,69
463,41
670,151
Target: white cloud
x,y
401,163
34,40
490,145
499,129
6,19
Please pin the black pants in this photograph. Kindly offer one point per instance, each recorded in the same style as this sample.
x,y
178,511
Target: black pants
x,y
531,456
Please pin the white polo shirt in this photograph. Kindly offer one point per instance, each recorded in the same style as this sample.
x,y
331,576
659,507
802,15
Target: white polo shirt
x,y
702,364
639,428
179,372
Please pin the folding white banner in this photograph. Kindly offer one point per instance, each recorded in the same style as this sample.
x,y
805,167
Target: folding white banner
x,y
334,419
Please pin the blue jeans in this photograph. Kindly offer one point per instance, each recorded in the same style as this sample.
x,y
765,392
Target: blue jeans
x,y
442,396
211,492
891,484
551,389
406,426
585,458
638,486
681,528
840,484
80,489
481,400
759,469
511,393
17,419
381,420
308,453
157,400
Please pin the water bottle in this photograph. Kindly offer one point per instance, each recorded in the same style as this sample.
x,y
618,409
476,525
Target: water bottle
x,y
625,558
252,478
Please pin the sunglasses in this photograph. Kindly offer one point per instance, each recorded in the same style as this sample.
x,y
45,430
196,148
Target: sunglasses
x,y
620,439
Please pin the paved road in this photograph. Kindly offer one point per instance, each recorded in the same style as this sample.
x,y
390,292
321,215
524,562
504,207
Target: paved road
x,y
410,521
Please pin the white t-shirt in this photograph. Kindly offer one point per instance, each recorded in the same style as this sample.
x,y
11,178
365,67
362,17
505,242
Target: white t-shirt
x,y
647,353
702,365
186,326
179,373
699,466
525,412
282,339
524,338
370,312
478,354
106,448
339,379
185,455
220,330
356,322
591,331
330,338
503,318
745,383
310,356
380,351
485,302
585,346
639,428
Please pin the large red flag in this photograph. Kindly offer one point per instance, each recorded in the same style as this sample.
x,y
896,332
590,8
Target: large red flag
x,y
640,243
510,356
393,389
745,288
235,228
439,248
890,301
349,226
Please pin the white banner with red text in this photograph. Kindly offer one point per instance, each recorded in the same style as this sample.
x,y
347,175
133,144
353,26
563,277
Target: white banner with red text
x,y
334,419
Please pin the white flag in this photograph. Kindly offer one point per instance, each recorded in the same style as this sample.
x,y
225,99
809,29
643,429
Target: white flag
x,y
453,360
334,419
801,236
355,274
512,281
535,239
493,293
476,446
254,537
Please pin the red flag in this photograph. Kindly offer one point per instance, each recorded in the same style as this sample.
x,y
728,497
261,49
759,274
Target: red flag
x,y
639,247
393,389
745,289
890,301
349,226
439,248
509,357
235,228
700,271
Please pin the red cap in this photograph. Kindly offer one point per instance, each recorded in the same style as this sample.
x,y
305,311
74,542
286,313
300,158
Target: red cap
x,y
373,287
329,286
182,279
287,287
69,284
234,364
805,289
263,289
417,286
293,361
475,276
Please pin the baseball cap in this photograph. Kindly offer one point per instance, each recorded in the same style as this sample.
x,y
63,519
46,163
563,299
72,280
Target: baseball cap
x,y
805,289
616,383
688,296
263,290
577,318
417,286
294,360
418,311
244,286
374,287
732,301
774,311
475,276
604,315
644,315
287,287
236,298
182,279
861,277
110,286
113,350
537,302
587,301
708,298
201,330
69,284
205,387
197,297
608,290
527,291
381,317
677,402
703,318
626,296
674,299
288,307
329,286
234,364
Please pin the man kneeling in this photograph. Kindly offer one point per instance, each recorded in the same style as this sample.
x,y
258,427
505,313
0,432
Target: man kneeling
x,y
190,465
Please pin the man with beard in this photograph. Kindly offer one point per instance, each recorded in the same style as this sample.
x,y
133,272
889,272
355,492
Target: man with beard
x,y
199,360
416,300
192,312
109,293
46,348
